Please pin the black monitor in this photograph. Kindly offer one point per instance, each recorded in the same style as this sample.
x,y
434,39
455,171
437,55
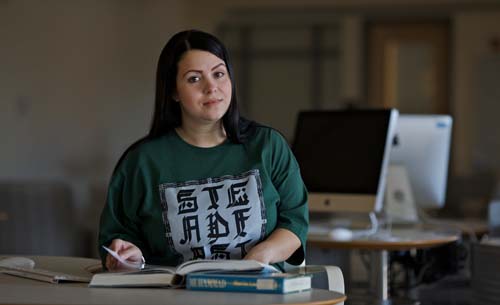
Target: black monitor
x,y
343,157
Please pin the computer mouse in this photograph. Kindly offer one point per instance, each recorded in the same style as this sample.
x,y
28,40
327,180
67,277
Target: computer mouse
x,y
341,234
17,262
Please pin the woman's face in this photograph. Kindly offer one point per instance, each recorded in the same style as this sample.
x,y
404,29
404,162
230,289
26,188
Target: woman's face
x,y
204,88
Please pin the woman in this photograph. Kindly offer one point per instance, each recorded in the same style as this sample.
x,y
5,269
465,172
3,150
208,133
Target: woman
x,y
204,183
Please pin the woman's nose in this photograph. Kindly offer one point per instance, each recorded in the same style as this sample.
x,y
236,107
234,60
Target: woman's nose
x,y
210,86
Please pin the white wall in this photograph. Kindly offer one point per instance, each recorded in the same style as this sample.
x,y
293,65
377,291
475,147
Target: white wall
x,y
76,88
472,44
77,81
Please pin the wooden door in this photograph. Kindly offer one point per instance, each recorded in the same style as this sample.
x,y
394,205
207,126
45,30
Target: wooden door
x,y
408,66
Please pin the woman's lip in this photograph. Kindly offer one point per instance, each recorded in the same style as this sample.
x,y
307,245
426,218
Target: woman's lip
x,y
210,102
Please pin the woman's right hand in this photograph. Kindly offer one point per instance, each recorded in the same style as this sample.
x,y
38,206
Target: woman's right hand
x,y
127,250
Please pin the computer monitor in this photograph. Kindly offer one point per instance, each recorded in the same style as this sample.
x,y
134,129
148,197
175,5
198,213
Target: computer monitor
x,y
422,147
343,157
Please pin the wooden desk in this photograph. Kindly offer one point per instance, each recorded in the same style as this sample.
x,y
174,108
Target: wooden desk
x,y
15,290
380,244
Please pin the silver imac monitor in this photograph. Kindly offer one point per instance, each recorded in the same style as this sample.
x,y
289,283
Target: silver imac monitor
x,y
343,157
422,147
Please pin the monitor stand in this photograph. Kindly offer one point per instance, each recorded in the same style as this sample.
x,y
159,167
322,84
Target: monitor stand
x,y
399,203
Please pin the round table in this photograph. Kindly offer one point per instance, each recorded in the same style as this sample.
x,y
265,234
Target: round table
x,y
380,244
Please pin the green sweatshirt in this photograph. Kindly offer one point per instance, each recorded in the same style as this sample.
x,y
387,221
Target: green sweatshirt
x,y
179,202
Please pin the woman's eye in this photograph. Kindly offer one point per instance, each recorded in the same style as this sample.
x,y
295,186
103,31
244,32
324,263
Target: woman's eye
x,y
219,74
193,79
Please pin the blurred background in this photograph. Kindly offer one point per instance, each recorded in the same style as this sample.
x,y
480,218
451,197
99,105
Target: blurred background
x,y
77,87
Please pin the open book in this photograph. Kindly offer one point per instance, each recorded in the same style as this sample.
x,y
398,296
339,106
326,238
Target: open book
x,y
164,276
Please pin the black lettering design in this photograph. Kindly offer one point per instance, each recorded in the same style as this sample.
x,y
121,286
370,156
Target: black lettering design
x,y
242,247
218,251
190,223
240,219
233,191
215,221
198,252
214,197
186,204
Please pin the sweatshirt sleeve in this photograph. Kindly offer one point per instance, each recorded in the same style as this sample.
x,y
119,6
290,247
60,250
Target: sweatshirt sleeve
x,y
293,212
119,217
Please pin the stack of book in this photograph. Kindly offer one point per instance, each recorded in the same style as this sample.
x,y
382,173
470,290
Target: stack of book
x,y
279,283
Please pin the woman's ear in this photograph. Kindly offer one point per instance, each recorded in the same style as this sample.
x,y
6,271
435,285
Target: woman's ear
x,y
175,97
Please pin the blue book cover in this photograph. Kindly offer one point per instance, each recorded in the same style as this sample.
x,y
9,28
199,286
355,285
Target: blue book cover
x,y
278,283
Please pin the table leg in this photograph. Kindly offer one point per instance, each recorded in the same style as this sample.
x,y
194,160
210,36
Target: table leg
x,y
379,276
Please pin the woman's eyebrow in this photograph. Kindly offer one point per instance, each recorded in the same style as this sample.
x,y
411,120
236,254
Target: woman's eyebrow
x,y
200,71
216,66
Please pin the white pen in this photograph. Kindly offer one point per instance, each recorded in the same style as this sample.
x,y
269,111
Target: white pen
x,y
124,262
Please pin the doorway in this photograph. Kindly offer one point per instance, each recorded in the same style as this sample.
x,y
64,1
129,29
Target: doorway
x,y
408,65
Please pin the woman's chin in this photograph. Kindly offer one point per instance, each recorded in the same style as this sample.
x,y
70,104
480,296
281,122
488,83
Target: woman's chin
x,y
213,116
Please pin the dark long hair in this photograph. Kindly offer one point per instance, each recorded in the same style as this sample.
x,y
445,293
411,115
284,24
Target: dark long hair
x,y
167,112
